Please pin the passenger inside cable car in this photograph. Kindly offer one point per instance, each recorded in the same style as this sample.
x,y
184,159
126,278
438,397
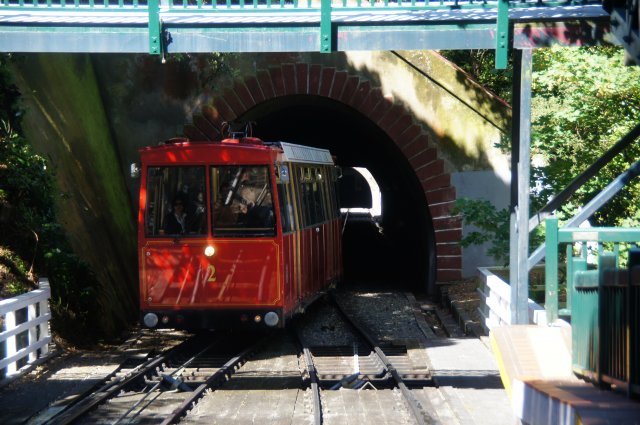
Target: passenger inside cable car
x,y
243,202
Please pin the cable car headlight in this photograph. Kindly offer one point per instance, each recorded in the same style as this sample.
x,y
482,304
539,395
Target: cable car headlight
x,y
209,251
271,319
150,320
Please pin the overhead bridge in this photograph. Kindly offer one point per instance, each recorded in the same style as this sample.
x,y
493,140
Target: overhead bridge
x,y
174,26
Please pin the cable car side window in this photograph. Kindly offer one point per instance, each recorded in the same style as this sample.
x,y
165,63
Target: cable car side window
x,y
242,201
175,202
287,212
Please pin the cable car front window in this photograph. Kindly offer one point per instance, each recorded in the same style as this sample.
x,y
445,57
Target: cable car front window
x,y
175,202
242,201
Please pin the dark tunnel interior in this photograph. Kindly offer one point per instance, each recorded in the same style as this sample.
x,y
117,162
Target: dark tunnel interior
x,y
401,253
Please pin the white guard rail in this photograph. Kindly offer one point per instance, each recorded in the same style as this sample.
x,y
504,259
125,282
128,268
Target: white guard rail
x,y
496,302
37,325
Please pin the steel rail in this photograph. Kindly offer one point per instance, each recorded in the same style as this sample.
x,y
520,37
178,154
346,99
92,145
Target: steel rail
x,y
313,377
84,404
226,370
421,416
177,370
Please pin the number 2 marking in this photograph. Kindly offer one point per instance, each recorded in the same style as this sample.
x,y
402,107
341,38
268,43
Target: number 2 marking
x,y
211,271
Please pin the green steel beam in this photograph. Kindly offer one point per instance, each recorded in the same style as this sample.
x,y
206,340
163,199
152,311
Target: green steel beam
x,y
326,36
502,35
155,44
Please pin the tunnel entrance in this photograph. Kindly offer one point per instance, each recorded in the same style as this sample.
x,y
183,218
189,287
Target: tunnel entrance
x,y
399,251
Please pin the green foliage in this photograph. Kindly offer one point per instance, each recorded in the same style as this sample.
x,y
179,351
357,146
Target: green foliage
x,y
584,101
492,226
9,94
481,65
15,275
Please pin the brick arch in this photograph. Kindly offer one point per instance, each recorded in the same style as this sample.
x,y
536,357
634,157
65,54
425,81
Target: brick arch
x,y
360,94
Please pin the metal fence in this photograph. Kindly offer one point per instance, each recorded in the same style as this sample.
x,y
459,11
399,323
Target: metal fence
x,y
606,323
25,332
603,302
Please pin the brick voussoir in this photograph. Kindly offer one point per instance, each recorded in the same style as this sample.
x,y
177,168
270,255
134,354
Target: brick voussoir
x,y
441,195
381,108
423,158
326,81
445,223
419,144
289,77
360,94
448,248
314,78
277,80
233,100
449,262
350,87
370,102
429,170
397,129
439,181
244,94
409,134
302,78
264,78
441,210
448,275
390,117
339,81
449,235
212,115
226,113
253,85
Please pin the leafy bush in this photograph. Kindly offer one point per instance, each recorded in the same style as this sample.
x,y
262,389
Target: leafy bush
x,y
492,226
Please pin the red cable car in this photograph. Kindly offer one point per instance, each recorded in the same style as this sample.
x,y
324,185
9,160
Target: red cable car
x,y
237,233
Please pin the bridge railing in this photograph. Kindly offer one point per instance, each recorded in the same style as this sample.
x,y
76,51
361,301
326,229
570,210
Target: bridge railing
x,y
285,4
325,14
25,331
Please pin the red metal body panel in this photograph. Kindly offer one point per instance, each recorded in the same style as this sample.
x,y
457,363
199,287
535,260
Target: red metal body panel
x,y
240,274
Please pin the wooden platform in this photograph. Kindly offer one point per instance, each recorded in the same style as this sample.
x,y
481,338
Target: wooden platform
x,y
535,368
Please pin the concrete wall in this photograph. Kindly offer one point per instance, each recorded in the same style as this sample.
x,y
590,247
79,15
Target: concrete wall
x,y
485,185
66,122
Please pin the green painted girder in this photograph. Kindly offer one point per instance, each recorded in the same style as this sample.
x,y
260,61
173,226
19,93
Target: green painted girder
x,y
324,26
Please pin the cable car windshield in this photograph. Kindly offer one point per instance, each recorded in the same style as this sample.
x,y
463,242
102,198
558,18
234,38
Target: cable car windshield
x,y
175,201
242,201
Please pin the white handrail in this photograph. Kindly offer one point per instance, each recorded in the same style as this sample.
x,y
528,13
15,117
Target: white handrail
x,y
36,324
497,298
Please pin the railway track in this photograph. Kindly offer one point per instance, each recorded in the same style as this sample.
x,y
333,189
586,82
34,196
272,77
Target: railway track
x,y
333,366
163,388
373,366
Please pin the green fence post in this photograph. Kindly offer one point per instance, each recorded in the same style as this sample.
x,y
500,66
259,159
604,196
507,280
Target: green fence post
x,y
633,323
155,45
551,270
606,262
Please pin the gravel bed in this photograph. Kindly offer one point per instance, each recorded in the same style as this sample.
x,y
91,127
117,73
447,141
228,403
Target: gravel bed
x,y
389,316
